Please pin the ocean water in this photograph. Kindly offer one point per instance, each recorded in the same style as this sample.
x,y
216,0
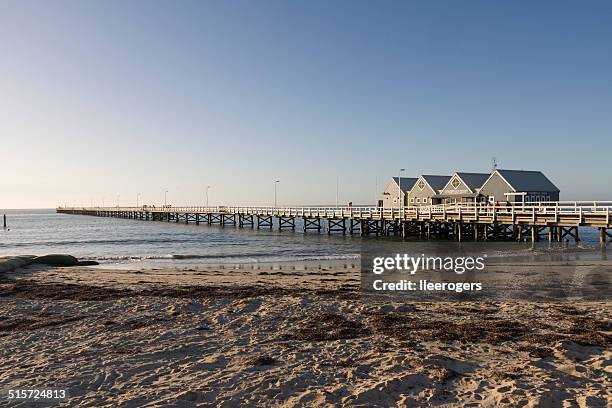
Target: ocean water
x,y
114,241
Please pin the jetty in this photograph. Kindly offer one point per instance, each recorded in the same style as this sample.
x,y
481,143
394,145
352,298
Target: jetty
x,y
554,221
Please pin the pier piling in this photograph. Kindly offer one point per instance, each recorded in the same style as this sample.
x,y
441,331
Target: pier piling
x,y
553,220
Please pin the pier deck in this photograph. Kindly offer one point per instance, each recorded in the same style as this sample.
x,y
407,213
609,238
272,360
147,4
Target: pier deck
x,y
555,220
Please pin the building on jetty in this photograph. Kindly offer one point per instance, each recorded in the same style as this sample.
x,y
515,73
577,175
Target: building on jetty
x,y
519,186
396,188
463,188
427,190
504,186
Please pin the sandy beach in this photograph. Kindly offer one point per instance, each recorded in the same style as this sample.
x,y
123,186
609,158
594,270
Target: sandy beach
x,y
241,337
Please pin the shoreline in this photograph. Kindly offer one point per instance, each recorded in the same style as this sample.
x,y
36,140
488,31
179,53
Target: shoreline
x,y
232,337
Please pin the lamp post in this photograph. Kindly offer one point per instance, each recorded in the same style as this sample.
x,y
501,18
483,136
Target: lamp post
x,y
137,200
376,191
400,201
337,189
207,188
165,198
275,183
118,200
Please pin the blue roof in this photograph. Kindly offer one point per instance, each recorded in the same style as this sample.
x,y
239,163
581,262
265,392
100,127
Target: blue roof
x,y
436,182
406,183
474,180
526,180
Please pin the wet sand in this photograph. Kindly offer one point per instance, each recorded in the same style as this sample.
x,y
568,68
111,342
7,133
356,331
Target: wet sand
x,y
212,337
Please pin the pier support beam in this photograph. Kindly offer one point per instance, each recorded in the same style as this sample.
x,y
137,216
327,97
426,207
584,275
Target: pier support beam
x,y
535,237
603,236
228,219
192,217
245,220
408,228
390,227
499,231
552,234
370,226
334,225
264,221
353,224
286,222
569,231
312,224
519,233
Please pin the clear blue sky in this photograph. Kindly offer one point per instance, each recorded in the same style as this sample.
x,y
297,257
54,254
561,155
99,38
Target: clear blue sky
x,y
107,98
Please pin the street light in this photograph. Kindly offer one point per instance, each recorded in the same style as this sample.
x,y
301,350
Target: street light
x,y
165,198
337,189
118,200
207,188
137,200
376,190
275,183
400,201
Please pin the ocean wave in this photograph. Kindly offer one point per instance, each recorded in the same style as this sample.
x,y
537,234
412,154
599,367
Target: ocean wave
x,y
128,241
252,258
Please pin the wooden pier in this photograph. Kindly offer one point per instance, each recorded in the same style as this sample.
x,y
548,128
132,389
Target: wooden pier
x,y
553,221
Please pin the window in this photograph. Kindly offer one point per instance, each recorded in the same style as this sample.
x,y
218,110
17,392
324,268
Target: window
x,y
395,201
455,183
418,200
424,200
547,198
412,199
491,199
421,185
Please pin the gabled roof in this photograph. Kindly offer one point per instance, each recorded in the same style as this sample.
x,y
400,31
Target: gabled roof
x,y
473,180
405,183
436,182
527,180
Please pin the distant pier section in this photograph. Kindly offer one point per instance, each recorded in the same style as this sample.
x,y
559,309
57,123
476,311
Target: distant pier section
x,y
554,221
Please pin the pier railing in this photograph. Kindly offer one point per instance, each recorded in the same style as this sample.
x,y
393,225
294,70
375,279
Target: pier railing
x,y
579,208
482,220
